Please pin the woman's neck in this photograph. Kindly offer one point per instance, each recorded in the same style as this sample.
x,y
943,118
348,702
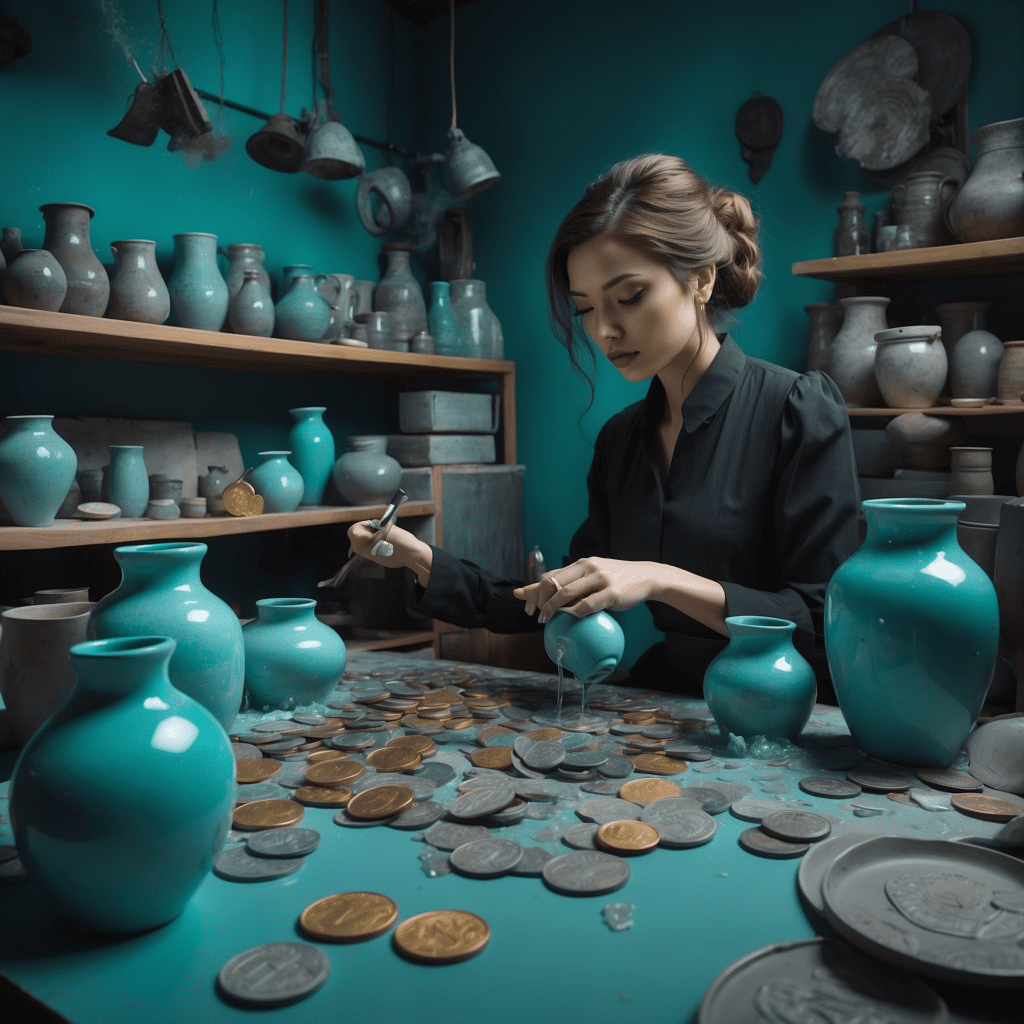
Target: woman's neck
x,y
680,377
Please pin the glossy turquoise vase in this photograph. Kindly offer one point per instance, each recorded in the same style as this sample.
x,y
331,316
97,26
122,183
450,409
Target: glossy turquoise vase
x,y
302,314
911,631
590,647
161,593
122,800
312,446
759,685
37,468
291,657
277,481
127,480
441,320
199,293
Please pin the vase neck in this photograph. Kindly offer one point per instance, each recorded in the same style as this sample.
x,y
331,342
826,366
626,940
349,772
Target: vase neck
x,y
29,424
911,522
124,665
311,412
265,457
755,634
172,566
364,443
195,246
285,609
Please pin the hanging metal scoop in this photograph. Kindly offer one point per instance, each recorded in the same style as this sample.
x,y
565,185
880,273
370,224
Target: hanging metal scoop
x,y
382,548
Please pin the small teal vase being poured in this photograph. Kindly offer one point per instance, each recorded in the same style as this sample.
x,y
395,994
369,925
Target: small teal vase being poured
x,y
760,685
312,451
911,633
122,799
590,647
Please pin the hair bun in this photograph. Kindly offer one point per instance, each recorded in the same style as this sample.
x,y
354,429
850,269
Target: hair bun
x,y
740,280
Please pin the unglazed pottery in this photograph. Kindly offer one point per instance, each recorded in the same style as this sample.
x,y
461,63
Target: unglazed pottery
x,y
122,801
127,481
996,750
975,369
250,310
302,314
243,256
35,280
312,451
910,366
10,244
441,320
291,657
957,318
852,236
399,294
137,291
37,468
199,294
1010,380
479,331
378,331
851,362
823,322
588,646
926,440
971,471
366,474
277,481
161,592
920,202
911,632
67,238
760,685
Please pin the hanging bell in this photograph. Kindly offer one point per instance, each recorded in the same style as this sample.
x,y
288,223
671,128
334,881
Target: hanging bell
x,y
142,122
184,116
331,153
277,145
470,169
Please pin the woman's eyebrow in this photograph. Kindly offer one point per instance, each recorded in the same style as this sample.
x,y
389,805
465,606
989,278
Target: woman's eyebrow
x,y
614,281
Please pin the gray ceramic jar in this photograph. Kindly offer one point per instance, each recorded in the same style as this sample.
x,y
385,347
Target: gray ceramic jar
x,y
991,202
199,294
67,237
910,366
851,358
251,310
35,280
137,291
399,295
366,474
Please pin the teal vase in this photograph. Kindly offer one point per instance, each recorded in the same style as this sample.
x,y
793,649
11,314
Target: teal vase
x,y
479,333
199,293
251,310
366,474
759,685
312,446
37,469
441,320
278,482
302,314
161,593
911,632
123,798
590,647
127,480
291,657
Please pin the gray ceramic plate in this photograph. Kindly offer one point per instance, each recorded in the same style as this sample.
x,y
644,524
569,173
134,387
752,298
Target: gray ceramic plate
x,y
816,979
944,909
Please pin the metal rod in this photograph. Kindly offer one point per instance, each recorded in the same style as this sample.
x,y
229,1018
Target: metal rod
x,y
252,112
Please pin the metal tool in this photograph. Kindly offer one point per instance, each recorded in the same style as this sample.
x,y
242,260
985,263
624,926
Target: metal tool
x,y
382,548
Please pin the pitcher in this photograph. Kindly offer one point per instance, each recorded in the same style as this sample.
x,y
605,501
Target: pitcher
x,y
920,202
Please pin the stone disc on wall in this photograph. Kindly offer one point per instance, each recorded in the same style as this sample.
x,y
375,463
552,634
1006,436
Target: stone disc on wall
x,y
888,126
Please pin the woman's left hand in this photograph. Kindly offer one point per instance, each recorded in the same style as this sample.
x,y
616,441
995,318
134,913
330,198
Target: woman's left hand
x,y
591,585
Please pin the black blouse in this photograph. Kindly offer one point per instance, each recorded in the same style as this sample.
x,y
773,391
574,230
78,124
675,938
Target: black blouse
x,y
761,495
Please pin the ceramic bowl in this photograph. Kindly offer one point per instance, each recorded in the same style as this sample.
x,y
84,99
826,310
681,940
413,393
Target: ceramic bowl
x,y
162,508
98,510
968,403
193,508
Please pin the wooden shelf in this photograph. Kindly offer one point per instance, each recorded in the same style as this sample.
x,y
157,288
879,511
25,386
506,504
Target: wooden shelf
x,y
970,259
410,638
65,533
943,410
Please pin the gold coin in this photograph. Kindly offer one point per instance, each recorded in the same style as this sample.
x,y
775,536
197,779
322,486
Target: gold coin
x,y
321,796
334,773
241,499
311,745
627,837
988,808
440,714
393,759
646,791
643,743
460,723
498,758
322,732
380,802
256,769
492,730
388,716
639,718
326,755
349,917
550,733
415,722
438,698
658,764
260,814
442,936
423,745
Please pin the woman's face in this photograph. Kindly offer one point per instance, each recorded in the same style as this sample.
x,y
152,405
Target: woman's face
x,y
632,307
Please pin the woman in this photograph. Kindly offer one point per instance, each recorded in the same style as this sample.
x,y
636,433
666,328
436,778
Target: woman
x,y
731,489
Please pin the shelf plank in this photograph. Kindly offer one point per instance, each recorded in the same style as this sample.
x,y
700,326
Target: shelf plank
x,y
969,259
67,334
942,410
417,638
64,533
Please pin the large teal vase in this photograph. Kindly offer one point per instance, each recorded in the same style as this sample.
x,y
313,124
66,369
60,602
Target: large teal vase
x,y
589,646
302,313
759,685
312,447
441,320
291,657
127,480
161,593
278,482
199,293
37,468
122,799
911,631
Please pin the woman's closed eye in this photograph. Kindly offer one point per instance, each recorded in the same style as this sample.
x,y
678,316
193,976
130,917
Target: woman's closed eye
x,y
634,299
580,312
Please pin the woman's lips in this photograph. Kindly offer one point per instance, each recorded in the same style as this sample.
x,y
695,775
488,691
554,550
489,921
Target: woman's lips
x,y
620,358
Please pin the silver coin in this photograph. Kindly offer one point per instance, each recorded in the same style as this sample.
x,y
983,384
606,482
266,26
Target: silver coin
x,y
668,806
511,815
283,842
877,780
247,792
616,768
730,790
501,739
754,840
834,789
688,751
245,751
307,719
341,709
605,809
422,789
544,755
352,740
274,726
602,787
447,835
755,810
585,873
576,775
679,828
541,790
796,826
712,801
625,729
281,747
660,732
581,837
439,773
520,766
255,739
274,974
531,864
292,778
486,858
584,759
237,864
478,803
419,815
943,778
521,745
346,820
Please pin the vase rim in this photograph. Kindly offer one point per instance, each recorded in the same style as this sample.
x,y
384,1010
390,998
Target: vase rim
x,y
919,332
133,241
126,447
193,234
166,548
49,612
275,455
32,416
286,602
309,408
82,206
942,505
865,300
1014,123
244,245
122,646
766,622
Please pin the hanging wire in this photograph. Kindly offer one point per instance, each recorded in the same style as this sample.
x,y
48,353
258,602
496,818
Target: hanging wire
x,y
165,38
219,42
392,109
284,54
451,57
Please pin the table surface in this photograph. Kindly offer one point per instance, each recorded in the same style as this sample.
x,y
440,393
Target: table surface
x,y
549,956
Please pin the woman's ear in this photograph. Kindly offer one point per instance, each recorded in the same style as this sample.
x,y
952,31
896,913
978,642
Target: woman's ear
x,y
704,282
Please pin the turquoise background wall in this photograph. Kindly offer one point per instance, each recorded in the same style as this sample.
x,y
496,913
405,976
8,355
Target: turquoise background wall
x,y
555,90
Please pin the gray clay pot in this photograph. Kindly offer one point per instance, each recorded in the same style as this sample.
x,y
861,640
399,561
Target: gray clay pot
x,y
137,290
35,280
975,369
910,366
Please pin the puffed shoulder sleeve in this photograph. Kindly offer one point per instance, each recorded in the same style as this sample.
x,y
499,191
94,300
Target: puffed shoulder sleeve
x,y
816,501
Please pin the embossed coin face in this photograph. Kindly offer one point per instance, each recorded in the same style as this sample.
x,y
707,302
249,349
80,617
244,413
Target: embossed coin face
x,y
349,917
616,768
755,810
877,780
688,751
679,825
479,802
447,835
646,791
958,782
796,826
627,837
237,864
585,873
325,755
380,802
241,499
334,773
491,730
605,809
256,769
581,837
442,936
658,764
987,808
486,858
275,974
267,814
418,815
393,759
498,758
283,842
544,755
712,801
833,789
323,796
755,840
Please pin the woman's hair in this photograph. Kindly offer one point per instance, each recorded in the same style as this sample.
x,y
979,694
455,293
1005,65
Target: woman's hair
x,y
660,206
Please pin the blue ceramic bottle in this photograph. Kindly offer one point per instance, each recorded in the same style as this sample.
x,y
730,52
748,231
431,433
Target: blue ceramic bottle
x,y
37,468
759,685
302,314
479,331
590,647
127,481
123,798
291,657
366,474
161,592
911,632
278,481
312,447
199,293
441,320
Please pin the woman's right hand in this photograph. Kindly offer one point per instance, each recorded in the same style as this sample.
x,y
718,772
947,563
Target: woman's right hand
x,y
409,552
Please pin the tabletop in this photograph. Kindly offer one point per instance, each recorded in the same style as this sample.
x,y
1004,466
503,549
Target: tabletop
x,y
550,957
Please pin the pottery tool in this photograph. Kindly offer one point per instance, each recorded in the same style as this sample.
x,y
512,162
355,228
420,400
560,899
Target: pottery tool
x,y
381,548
